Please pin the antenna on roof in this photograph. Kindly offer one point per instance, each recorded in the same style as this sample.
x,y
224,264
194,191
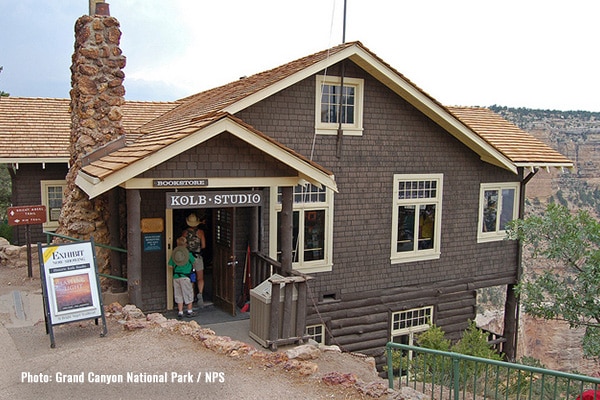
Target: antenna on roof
x,y
344,26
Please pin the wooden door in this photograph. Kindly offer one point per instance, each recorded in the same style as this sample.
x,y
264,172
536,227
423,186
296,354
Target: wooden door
x,y
224,260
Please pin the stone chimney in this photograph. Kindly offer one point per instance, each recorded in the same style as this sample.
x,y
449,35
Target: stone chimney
x,y
97,95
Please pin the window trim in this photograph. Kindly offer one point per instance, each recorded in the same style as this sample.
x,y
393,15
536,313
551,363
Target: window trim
x,y
44,185
483,237
324,265
355,129
424,254
412,329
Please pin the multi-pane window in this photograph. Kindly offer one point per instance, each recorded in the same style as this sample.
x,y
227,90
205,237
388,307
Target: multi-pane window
x,y
498,206
316,333
52,198
416,217
311,228
339,104
405,324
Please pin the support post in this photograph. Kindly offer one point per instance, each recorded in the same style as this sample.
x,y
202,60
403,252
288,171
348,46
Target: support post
x,y
134,247
115,235
286,228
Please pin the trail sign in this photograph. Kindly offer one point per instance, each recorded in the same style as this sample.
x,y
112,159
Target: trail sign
x,y
26,215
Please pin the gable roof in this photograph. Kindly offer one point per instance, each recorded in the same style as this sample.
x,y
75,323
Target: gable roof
x,y
154,148
155,129
34,130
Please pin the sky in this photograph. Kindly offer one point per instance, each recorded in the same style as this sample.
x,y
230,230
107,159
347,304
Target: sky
x,y
517,53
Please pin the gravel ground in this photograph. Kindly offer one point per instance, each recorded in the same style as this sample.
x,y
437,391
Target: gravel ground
x,y
181,366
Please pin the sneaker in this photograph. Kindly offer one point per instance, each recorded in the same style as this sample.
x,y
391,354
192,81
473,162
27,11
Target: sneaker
x,y
190,314
180,316
200,302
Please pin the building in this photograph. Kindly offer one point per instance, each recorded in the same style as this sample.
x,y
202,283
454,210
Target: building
x,y
393,204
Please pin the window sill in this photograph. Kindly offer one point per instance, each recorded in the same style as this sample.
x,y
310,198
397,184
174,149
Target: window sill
x,y
334,131
414,257
311,269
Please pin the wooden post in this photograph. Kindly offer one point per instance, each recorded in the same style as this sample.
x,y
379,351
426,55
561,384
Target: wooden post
x,y
274,322
301,309
134,247
286,228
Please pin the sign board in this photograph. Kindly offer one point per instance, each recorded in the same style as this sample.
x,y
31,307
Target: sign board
x,y
180,182
152,242
26,215
247,198
70,284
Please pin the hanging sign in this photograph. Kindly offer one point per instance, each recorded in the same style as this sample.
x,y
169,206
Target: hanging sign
x,y
247,198
70,284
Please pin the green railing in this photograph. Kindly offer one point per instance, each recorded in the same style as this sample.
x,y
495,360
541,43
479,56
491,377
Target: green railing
x,y
50,235
444,375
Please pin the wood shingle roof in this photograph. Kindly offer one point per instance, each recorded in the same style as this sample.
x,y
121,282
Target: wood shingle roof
x,y
38,129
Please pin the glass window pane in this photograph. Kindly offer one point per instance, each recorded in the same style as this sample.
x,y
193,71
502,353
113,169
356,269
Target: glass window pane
x,y
314,235
426,226
508,207
490,210
406,228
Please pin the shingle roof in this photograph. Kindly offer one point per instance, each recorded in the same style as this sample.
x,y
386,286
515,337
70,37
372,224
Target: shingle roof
x,y
519,146
39,128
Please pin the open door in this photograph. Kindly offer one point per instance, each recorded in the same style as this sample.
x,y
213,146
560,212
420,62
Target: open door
x,y
224,262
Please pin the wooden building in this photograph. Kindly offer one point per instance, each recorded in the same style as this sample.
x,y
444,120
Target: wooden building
x,y
393,204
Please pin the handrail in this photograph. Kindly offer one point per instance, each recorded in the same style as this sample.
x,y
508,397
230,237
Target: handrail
x,y
118,278
105,246
475,375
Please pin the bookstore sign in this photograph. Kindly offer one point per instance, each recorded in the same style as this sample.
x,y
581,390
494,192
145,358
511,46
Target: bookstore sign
x,y
248,198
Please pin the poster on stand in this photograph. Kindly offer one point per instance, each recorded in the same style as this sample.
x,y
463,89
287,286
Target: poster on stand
x,y
70,283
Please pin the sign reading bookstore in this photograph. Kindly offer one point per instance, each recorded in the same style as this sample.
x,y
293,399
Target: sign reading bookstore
x,y
70,284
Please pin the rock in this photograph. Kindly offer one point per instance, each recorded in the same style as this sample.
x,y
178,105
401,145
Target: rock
x,y
304,352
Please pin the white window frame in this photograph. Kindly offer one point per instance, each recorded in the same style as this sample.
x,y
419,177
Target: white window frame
x,y
316,333
411,327
324,265
417,254
50,225
498,234
324,128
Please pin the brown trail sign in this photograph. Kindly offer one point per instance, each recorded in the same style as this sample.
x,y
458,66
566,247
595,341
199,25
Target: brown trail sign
x,y
27,215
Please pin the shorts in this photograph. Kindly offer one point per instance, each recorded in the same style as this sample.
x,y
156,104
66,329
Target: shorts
x,y
199,263
183,290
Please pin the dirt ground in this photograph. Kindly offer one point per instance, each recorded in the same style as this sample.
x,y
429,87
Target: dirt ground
x,y
181,365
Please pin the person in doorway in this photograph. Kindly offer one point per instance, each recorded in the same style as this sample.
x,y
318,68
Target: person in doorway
x,y
182,262
196,242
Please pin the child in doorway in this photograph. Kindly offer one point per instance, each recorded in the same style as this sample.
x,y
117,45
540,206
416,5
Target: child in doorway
x,y
182,263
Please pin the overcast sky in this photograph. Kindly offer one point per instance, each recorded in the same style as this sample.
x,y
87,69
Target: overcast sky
x,y
517,53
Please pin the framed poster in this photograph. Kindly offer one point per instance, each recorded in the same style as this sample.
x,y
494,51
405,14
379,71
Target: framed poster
x,y
70,283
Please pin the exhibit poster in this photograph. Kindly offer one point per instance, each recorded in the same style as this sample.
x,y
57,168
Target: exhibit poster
x,y
71,282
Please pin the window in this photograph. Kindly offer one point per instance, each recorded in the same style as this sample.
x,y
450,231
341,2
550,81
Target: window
x,y
416,215
316,333
405,324
52,198
337,104
497,207
312,233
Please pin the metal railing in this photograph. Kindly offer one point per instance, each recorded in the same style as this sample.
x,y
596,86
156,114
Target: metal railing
x,y
50,235
445,375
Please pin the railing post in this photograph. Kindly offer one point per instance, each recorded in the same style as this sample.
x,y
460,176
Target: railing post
x,y
456,372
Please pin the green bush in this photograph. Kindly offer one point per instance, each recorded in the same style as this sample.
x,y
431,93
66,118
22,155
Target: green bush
x,y
6,231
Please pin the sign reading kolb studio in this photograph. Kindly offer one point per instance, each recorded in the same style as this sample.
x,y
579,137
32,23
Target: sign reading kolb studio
x,y
247,198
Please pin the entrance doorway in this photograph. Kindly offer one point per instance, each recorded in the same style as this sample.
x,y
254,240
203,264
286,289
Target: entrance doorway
x,y
219,257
